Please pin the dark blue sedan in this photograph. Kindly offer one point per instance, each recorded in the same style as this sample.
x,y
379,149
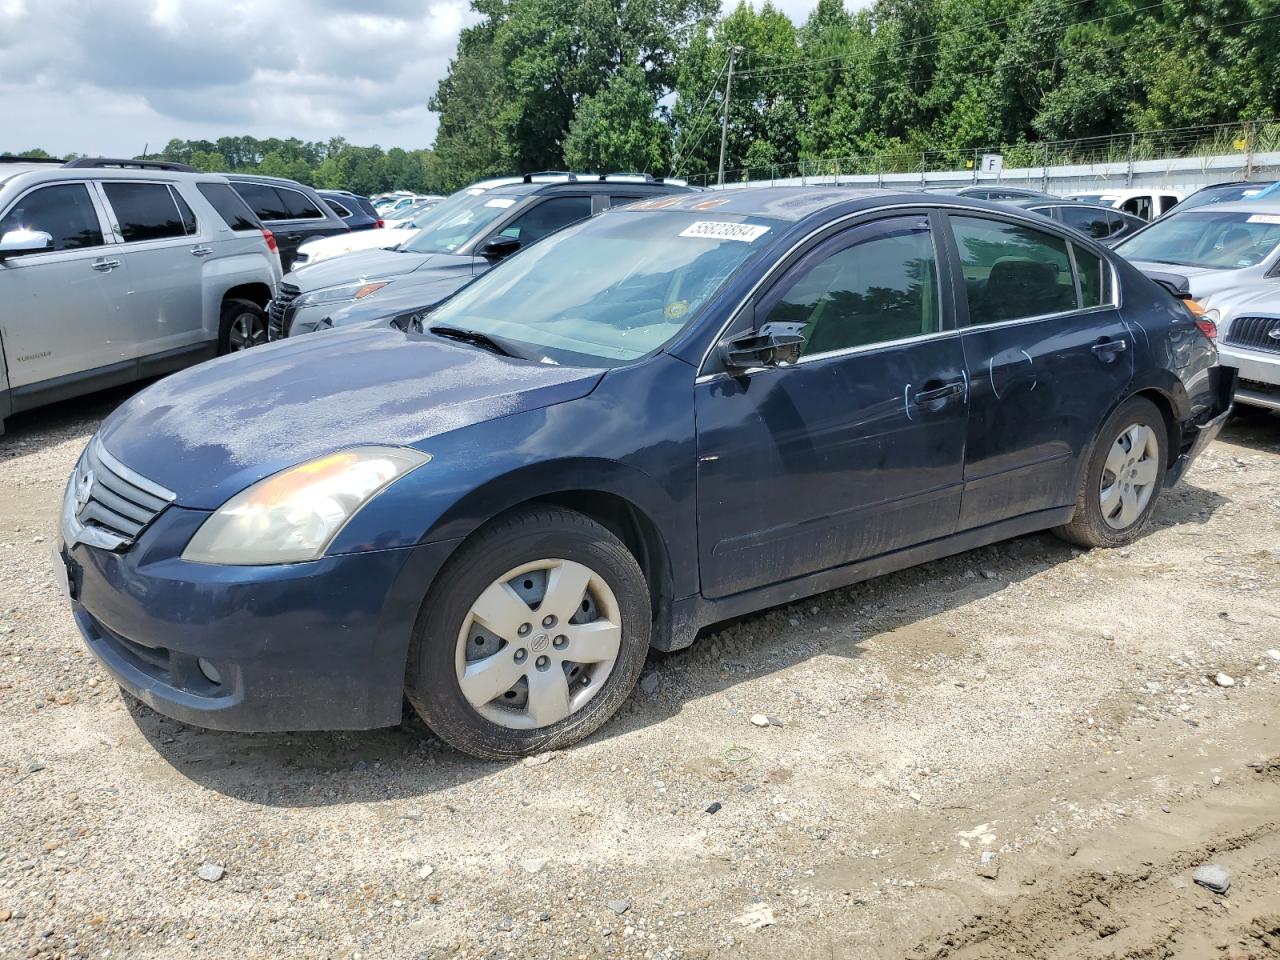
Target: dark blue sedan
x,y
671,414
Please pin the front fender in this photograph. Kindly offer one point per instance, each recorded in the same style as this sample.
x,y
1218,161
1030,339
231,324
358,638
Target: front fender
x,y
632,438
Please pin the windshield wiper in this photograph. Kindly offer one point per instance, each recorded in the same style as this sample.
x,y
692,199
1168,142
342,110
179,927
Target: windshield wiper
x,y
477,338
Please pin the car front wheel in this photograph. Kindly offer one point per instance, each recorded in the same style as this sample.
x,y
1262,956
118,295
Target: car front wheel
x,y
532,637
243,324
1123,478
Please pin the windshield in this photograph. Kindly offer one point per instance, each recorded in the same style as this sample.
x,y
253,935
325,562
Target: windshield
x,y
1102,198
1204,238
454,221
610,289
1240,191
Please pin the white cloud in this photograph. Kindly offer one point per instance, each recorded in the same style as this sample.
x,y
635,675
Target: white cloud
x,y
112,78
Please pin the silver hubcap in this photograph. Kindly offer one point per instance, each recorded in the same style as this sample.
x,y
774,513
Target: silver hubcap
x,y
247,330
538,644
1129,476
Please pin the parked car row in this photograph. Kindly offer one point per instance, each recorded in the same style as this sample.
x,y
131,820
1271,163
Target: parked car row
x,y
683,409
114,271
451,244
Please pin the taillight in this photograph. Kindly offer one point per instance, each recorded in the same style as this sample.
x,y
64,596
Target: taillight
x,y
379,224
270,237
1207,323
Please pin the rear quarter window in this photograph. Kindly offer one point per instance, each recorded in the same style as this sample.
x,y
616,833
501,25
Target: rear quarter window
x,y
228,205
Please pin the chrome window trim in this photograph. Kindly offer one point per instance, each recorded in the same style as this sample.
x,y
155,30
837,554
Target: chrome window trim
x,y
1012,213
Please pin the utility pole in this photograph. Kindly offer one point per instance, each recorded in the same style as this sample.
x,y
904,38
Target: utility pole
x,y
724,119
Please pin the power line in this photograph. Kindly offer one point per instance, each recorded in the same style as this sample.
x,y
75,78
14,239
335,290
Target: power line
x,y
715,85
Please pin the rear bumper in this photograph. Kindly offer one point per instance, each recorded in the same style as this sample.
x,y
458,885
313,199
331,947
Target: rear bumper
x,y
1197,436
308,646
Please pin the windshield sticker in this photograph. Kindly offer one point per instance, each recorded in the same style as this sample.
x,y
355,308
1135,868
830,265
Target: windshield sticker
x,y
1263,218
674,311
500,202
717,230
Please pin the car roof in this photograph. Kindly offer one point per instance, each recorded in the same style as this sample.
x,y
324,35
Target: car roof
x,y
263,178
49,172
796,203
1028,202
1270,205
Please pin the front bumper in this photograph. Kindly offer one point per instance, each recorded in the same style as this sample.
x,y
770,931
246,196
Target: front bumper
x,y
1259,375
307,646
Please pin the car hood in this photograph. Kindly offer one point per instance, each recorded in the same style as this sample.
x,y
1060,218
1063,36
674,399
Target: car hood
x,y
210,431
324,248
421,290
357,265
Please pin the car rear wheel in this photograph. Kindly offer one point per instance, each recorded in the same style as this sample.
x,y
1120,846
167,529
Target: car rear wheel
x,y
243,325
1123,480
532,637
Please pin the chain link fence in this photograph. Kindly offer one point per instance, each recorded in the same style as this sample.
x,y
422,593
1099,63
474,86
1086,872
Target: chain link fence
x,y
1245,139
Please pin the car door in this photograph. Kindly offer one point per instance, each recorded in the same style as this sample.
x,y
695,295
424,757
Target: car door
x,y
63,311
1048,357
165,251
855,450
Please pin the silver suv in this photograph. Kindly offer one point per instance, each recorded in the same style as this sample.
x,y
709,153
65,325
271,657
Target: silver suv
x,y
113,271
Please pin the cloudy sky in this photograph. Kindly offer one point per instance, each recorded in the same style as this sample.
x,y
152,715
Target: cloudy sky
x,y
109,78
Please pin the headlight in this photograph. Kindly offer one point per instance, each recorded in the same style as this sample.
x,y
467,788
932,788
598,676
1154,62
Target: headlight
x,y
294,515
340,294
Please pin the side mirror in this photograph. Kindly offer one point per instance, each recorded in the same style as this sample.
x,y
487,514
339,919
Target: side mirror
x,y
17,242
775,344
498,248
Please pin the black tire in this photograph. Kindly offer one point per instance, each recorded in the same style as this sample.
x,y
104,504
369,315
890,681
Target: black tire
x,y
523,536
233,308
1089,528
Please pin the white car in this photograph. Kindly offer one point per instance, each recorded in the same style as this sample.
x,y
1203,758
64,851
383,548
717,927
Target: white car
x,y
1147,204
392,235
1249,339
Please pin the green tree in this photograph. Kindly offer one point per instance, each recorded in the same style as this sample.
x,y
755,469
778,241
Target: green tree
x,y
618,128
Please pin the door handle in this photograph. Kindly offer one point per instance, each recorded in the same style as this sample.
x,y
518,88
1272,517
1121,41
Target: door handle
x,y
105,266
201,251
935,390
1106,350
294,237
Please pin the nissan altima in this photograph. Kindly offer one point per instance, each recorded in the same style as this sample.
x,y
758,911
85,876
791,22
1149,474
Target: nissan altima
x,y
674,413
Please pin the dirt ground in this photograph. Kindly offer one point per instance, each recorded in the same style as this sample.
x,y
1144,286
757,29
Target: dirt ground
x,y
1021,751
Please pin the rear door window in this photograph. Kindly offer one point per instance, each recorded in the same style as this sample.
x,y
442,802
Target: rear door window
x,y
144,211
1012,271
64,211
547,217
1092,223
228,205
299,205
263,200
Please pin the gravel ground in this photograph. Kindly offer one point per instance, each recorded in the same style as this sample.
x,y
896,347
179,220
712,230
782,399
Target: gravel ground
x,y
1021,751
